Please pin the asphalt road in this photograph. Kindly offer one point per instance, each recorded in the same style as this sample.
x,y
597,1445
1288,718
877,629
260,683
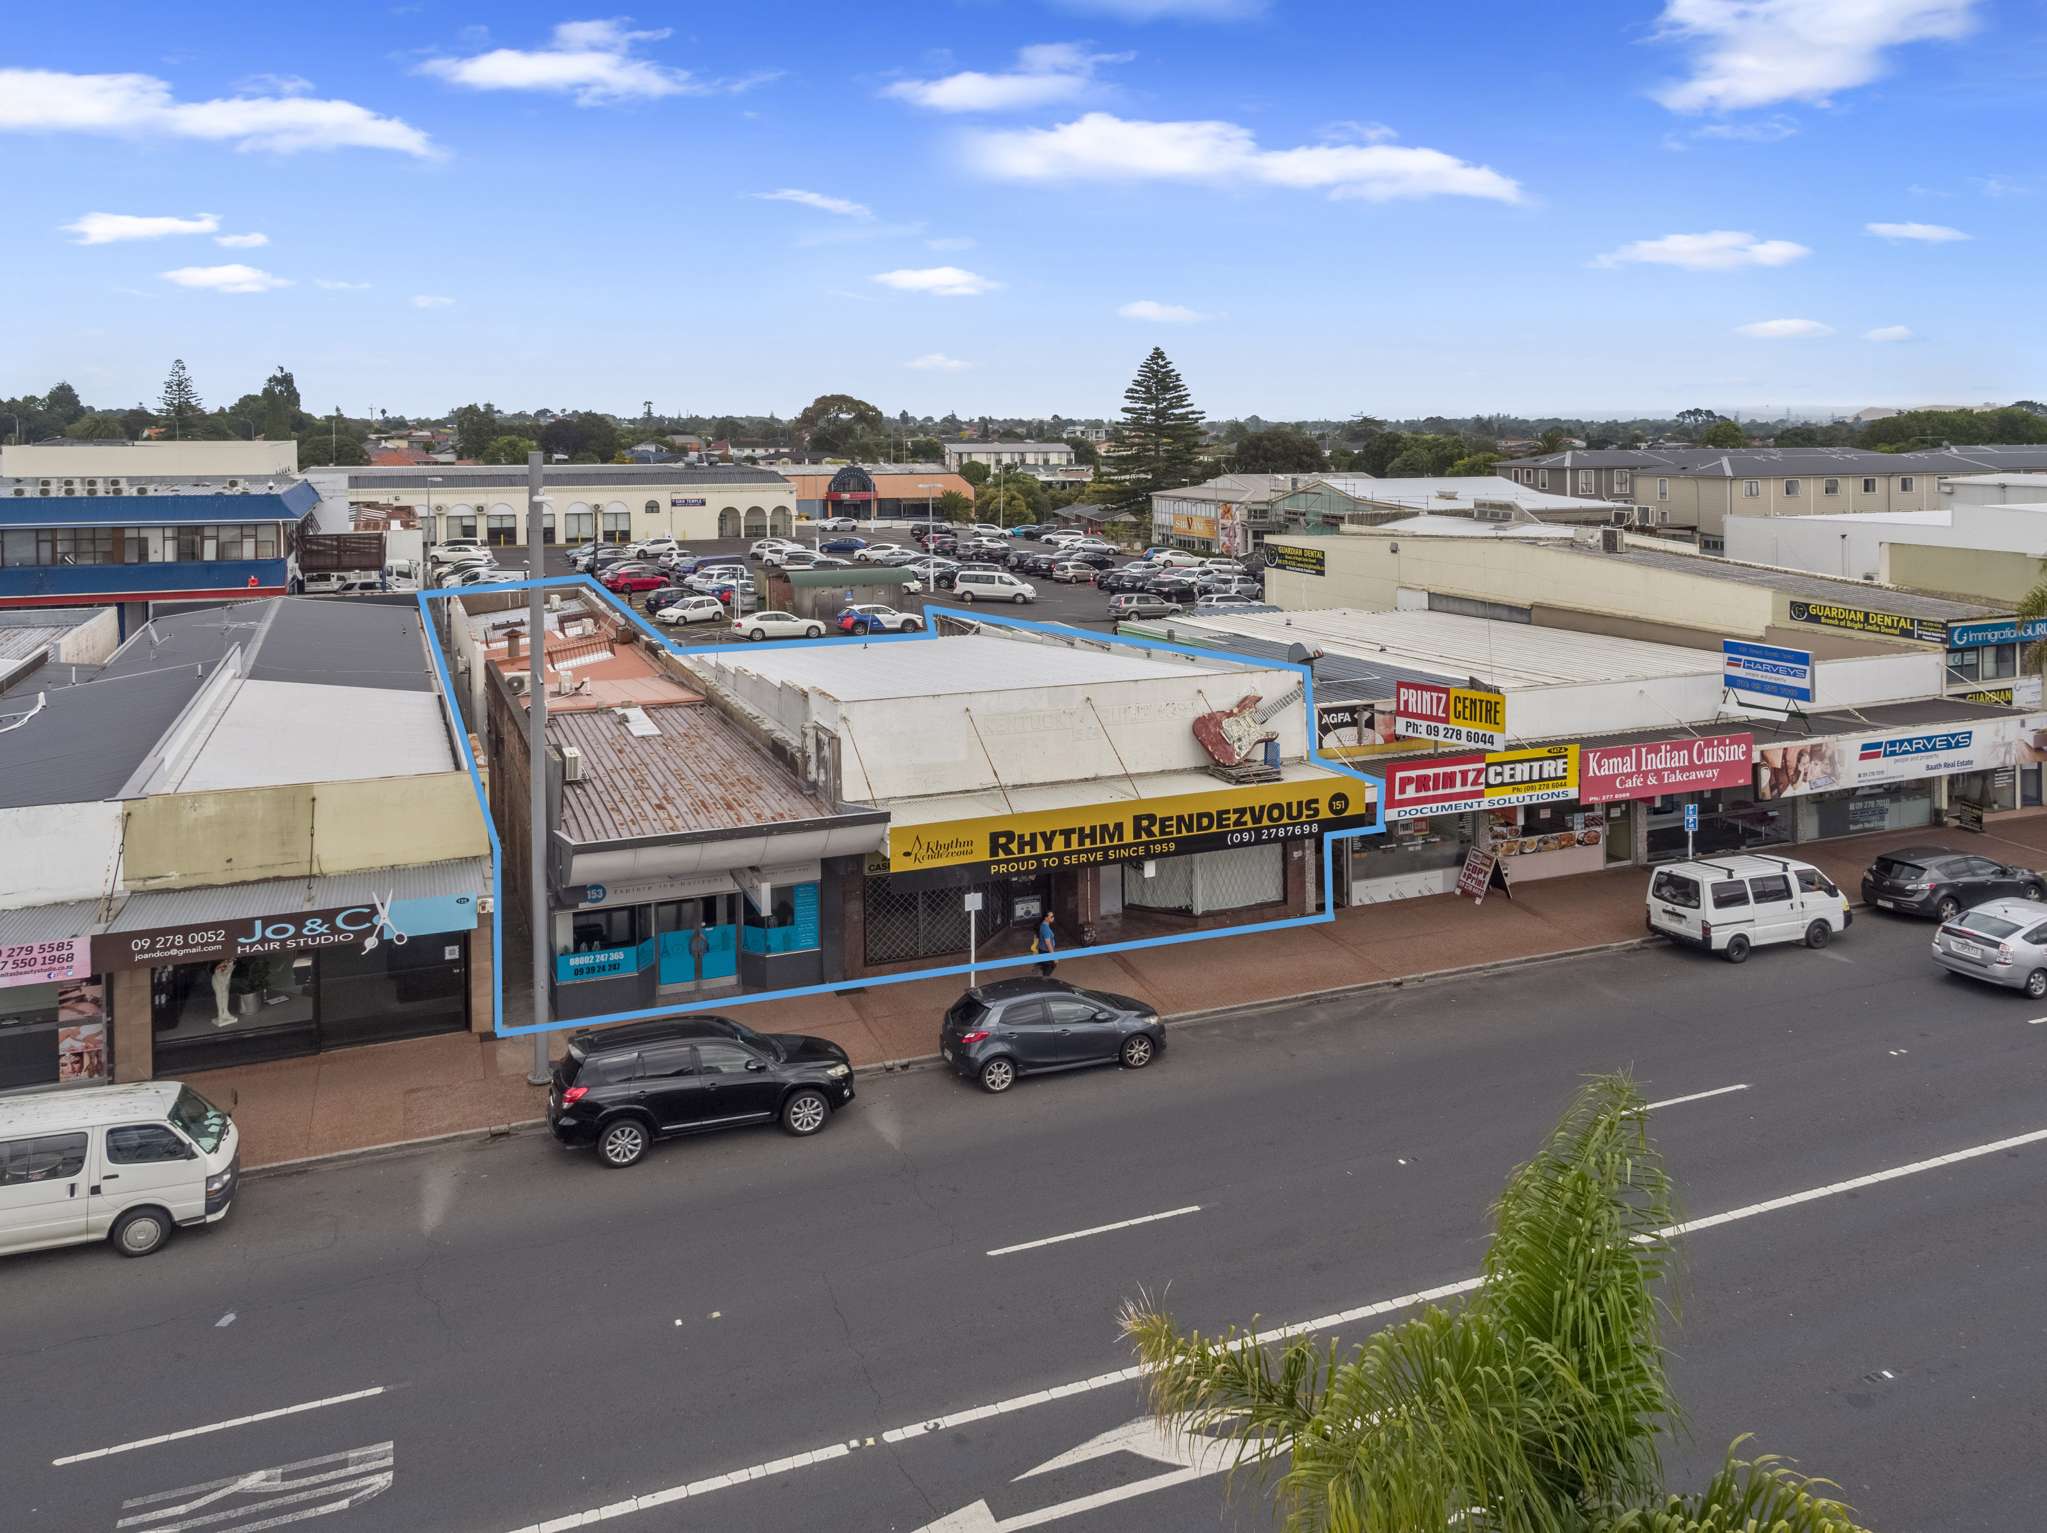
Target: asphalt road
x,y
550,1339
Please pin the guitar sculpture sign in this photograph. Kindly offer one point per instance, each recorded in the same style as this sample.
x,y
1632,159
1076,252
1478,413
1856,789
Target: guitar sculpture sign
x,y
1233,735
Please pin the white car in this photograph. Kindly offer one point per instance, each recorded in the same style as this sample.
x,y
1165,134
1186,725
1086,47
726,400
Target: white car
x,y
1177,559
873,617
778,625
692,609
486,577
456,548
1061,535
986,529
789,555
718,575
837,524
1088,546
448,574
655,547
875,552
761,549
1730,904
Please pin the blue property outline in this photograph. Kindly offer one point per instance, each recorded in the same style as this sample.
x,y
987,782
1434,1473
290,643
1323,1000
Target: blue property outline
x,y
723,1002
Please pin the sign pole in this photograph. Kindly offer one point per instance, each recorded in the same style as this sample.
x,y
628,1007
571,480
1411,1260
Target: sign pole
x,y
972,905
536,759
1691,824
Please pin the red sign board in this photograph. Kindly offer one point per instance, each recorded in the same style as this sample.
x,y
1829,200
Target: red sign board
x,y
1476,876
1610,773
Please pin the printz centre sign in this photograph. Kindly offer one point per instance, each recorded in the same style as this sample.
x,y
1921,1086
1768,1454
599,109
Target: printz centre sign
x,y
392,921
1092,834
1542,774
1888,625
1614,773
1423,710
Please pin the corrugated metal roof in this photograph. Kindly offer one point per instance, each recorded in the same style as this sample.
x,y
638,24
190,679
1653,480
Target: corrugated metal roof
x,y
283,896
698,774
1845,593
1339,677
48,923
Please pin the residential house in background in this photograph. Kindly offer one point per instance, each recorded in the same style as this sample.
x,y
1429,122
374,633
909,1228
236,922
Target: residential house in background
x,y
1014,454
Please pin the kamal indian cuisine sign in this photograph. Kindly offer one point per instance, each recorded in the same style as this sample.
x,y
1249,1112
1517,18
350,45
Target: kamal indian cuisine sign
x,y
1615,773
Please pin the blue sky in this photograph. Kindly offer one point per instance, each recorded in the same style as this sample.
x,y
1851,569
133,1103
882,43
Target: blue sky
x,y
1317,209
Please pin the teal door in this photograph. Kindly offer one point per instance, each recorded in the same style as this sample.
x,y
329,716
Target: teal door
x,y
678,925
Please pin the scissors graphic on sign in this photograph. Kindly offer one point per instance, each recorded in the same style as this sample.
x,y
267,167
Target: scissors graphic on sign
x,y
385,925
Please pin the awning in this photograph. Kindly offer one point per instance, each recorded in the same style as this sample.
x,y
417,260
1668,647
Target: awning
x,y
48,923
287,896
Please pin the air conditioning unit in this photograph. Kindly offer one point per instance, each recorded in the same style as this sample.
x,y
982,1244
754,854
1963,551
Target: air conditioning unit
x,y
1622,517
572,763
518,682
1609,540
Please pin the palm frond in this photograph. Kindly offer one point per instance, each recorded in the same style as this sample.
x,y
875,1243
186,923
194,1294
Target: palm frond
x,y
1760,1495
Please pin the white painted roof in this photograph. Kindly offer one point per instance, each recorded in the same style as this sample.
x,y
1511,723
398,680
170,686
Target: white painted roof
x,y
276,732
1426,526
1505,654
1442,492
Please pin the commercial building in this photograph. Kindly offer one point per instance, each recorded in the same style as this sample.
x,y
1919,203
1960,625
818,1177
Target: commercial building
x,y
1988,551
1230,514
66,639
249,834
1014,454
143,468
873,491
600,502
1602,743
1323,504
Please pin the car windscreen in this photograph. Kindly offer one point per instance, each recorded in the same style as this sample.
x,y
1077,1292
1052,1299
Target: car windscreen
x,y
1893,871
1984,924
1676,889
204,1124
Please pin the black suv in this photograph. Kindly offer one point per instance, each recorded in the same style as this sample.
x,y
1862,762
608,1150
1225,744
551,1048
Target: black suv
x,y
1016,1027
621,1088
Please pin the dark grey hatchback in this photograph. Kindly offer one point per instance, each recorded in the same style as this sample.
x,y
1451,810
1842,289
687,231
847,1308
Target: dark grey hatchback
x,y
621,1088
994,1033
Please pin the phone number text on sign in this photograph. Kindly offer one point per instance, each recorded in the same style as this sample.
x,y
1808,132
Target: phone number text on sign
x,y
42,963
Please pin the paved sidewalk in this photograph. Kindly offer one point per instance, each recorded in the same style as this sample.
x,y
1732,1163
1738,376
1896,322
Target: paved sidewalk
x,y
391,1093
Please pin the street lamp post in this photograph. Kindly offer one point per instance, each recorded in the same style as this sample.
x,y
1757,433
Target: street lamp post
x,y
536,766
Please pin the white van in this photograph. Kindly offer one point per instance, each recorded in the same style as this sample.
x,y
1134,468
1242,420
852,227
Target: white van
x,y
992,585
124,1163
1728,905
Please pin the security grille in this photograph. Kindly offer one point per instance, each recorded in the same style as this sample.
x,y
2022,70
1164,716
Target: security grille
x,y
1209,881
926,923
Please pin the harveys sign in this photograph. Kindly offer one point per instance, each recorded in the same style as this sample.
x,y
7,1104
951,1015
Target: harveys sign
x,y
1132,829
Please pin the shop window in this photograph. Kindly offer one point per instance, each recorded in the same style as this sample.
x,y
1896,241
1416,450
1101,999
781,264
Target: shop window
x,y
618,525
144,1144
193,1004
788,925
45,1158
1206,882
2000,660
396,990
597,930
906,924
1964,664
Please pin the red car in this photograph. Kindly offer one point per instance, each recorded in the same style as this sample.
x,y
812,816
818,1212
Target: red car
x,y
631,578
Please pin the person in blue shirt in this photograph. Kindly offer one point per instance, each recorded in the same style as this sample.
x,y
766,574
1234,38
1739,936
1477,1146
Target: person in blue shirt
x,y
1046,943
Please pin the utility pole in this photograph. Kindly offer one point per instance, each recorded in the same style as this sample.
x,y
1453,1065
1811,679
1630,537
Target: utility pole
x,y
536,762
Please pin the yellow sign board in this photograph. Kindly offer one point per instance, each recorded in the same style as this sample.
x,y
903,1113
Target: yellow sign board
x,y
1132,829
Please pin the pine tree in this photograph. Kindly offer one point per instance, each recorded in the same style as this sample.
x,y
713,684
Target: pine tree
x,y
180,403
1158,444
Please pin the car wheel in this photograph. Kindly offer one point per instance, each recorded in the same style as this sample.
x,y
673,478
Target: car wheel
x,y
1018,598
1948,908
623,1144
756,635
2036,984
140,1231
1137,1051
966,596
1736,950
1819,934
998,1075
913,626
813,632
805,1113
2033,892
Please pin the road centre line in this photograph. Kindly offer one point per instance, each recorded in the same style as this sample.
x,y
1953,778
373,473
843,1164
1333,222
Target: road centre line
x,y
1696,1096
1099,1229
217,1426
1319,1323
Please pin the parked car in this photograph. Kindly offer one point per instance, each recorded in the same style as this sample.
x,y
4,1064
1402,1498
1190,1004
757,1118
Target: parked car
x,y
485,575
1093,558
2003,941
655,547
995,1033
127,1164
841,545
1941,882
455,548
1073,572
1175,585
1024,530
1126,577
992,585
1728,905
692,609
1141,604
737,595
778,625
628,578
985,547
1035,564
895,558
1079,546
941,544
663,596
448,574
874,553
1226,601
622,1088
1178,558
716,574
948,580
789,556
837,524
760,549
872,617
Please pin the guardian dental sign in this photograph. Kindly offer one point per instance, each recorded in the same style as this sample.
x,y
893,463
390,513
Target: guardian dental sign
x,y
1766,669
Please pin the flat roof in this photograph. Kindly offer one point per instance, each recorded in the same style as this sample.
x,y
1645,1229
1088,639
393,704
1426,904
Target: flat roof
x,y
1844,593
1339,676
1442,490
1427,526
286,505
276,732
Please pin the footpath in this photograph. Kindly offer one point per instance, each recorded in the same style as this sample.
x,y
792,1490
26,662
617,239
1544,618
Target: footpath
x,y
396,1093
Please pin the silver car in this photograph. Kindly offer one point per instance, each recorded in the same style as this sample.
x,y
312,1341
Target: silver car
x,y
2003,941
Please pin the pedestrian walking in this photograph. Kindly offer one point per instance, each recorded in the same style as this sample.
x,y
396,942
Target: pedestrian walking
x,y
1046,943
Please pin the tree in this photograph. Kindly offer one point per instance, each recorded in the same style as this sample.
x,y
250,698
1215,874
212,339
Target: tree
x,y
1695,419
96,426
508,450
1537,1405
180,400
1083,450
839,423
320,447
925,449
1158,440
975,472
476,426
63,403
1473,465
278,406
1279,450
954,507
1724,433
581,437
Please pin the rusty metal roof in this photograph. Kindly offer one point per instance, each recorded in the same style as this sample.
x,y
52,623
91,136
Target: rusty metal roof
x,y
700,773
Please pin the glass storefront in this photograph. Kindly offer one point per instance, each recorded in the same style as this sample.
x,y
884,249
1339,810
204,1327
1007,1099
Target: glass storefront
x,y
1429,847
1730,820
1858,811
54,1035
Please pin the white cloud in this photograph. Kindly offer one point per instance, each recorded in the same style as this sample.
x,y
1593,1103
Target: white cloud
x,y
234,278
951,242
1715,250
110,228
1784,329
941,281
1769,130
339,285
595,61
141,106
1749,53
840,205
430,301
1102,147
1172,10
266,84
1889,333
938,362
250,241
1930,234
1350,130
1045,74
1160,313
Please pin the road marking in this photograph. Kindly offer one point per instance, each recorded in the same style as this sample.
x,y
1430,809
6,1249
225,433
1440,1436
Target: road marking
x,y
337,1481
1282,1333
2036,1021
1696,1096
1187,1455
1099,1229
218,1426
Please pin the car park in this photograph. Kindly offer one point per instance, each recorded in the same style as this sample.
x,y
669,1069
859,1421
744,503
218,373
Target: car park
x,y
127,1164
1141,604
692,609
841,545
1015,1027
1729,905
992,585
622,1088
1941,882
778,625
2002,941
873,617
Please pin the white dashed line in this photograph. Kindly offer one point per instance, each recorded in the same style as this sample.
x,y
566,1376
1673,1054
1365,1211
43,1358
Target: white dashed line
x,y
1696,1096
1099,1229
217,1426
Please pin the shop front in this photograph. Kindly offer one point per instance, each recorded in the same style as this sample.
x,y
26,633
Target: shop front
x,y
227,986
1521,804
53,1008
1646,786
1901,778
